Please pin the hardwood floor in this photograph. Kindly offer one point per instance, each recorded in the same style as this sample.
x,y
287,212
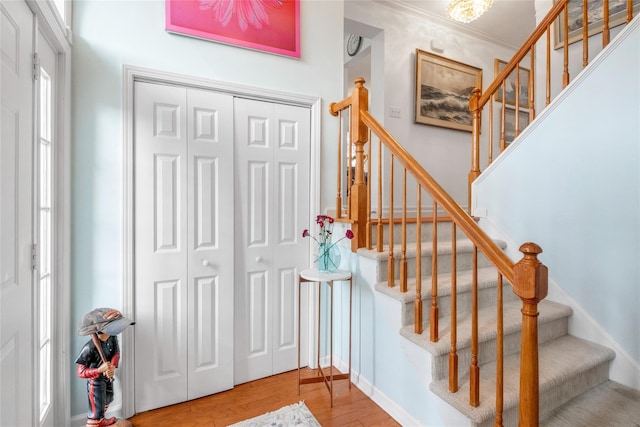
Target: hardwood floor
x,y
351,408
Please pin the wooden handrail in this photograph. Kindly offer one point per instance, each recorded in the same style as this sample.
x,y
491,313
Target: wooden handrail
x,y
457,214
542,27
528,276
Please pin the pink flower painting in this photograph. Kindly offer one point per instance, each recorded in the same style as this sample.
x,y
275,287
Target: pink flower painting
x,y
268,25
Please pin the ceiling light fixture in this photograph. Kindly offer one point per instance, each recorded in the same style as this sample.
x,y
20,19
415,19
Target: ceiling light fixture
x,y
466,11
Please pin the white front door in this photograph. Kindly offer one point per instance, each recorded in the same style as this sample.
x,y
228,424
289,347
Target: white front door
x,y
272,207
16,208
183,244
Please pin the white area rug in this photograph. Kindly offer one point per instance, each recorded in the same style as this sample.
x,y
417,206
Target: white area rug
x,y
293,415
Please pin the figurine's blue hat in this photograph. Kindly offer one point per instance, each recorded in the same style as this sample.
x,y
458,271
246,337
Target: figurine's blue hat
x,y
103,321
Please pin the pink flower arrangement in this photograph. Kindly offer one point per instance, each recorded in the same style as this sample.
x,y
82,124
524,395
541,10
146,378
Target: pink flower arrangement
x,y
328,255
325,232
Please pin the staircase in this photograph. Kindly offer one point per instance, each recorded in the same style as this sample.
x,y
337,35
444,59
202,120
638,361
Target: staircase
x,y
574,385
512,360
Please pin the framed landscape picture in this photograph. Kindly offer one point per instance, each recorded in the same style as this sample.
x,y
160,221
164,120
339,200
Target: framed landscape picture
x,y
269,25
510,123
443,90
510,85
617,15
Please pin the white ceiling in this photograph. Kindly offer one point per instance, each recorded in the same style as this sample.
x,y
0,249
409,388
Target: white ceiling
x,y
509,22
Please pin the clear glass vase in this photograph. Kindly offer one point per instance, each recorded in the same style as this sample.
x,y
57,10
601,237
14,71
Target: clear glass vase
x,y
328,257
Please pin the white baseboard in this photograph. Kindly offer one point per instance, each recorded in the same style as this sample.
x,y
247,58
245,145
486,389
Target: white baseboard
x,y
388,405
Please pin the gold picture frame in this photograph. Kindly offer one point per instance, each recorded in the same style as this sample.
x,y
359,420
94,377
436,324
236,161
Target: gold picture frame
x,y
443,91
510,85
617,16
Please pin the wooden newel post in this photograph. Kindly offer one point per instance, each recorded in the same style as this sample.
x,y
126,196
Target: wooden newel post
x,y
531,285
475,143
359,137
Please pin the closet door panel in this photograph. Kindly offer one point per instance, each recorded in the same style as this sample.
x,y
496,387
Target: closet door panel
x,y
291,133
272,157
254,257
161,277
210,243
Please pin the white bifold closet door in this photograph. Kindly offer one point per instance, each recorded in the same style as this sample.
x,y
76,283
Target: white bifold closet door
x,y
272,209
184,244
221,199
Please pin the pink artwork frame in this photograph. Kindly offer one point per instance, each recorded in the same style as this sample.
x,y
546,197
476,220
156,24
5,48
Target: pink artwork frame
x,y
267,25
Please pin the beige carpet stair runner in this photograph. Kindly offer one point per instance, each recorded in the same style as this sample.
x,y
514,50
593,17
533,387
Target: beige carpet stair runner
x,y
574,374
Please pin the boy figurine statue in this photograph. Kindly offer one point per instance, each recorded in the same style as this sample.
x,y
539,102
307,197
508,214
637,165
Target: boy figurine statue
x,y
99,359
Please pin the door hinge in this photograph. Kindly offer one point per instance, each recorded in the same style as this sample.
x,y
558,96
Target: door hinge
x,y
36,66
34,257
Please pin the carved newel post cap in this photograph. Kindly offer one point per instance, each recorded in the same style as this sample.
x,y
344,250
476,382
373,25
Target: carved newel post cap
x,y
530,275
359,81
530,250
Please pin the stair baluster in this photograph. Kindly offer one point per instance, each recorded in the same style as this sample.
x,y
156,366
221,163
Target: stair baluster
x,y
391,276
453,352
499,355
380,229
417,323
403,257
474,370
433,316
338,214
369,229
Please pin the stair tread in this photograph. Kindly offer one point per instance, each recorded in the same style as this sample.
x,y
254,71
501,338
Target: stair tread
x,y
487,278
610,403
444,248
577,357
512,318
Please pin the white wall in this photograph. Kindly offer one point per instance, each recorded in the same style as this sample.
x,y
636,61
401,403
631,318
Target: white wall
x,y
444,153
110,34
572,185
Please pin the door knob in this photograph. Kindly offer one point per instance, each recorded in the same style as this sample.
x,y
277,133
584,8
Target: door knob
x,y
258,258
205,263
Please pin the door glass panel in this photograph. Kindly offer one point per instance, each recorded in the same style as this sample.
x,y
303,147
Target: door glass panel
x,y
45,243
61,7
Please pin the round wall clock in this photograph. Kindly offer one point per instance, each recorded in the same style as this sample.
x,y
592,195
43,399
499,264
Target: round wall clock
x,y
353,44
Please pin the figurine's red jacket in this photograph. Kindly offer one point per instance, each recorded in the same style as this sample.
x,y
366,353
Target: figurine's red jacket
x,y
89,359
